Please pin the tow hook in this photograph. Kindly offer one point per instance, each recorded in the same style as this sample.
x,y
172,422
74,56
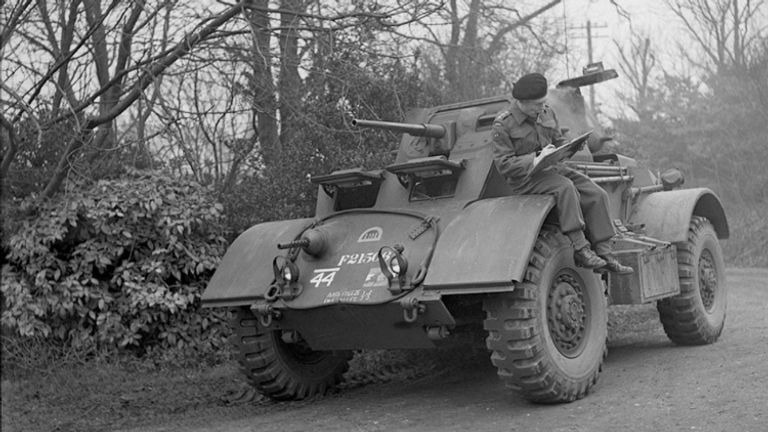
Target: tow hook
x,y
266,313
412,308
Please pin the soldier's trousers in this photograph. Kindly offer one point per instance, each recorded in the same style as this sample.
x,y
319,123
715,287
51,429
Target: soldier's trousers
x,y
580,203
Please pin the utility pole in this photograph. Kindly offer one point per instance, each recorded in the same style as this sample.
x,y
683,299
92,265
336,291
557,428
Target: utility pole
x,y
590,59
589,40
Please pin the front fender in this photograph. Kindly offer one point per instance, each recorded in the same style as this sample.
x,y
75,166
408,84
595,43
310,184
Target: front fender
x,y
488,244
667,215
245,272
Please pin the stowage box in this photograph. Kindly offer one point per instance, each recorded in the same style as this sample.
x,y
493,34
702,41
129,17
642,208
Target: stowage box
x,y
655,276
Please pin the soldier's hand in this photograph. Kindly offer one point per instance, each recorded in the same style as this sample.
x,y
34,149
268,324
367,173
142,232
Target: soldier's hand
x,y
545,151
548,149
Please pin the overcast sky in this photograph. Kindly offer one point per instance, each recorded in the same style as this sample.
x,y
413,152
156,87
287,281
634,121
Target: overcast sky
x,y
650,17
645,16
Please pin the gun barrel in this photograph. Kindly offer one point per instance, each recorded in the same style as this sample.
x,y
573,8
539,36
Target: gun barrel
x,y
415,129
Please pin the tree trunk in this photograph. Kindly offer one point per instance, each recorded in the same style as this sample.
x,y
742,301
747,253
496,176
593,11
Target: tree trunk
x,y
10,147
289,81
64,87
106,133
469,55
452,75
264,102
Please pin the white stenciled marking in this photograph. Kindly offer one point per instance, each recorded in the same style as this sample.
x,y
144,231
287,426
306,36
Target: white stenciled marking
x,y
370,235
362,258
324,276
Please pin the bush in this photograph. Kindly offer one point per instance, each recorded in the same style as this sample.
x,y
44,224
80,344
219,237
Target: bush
x,y
120,264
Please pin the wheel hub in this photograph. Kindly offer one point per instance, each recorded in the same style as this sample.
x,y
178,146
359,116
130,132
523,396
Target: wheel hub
x,y
572,311
707,279
566,315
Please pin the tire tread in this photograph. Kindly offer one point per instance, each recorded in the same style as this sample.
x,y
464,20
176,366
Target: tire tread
x,y
256,352
681,316
517,348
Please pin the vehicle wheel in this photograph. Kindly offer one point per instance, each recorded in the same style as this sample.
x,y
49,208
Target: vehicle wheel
x,y
696,316
280,370
548,336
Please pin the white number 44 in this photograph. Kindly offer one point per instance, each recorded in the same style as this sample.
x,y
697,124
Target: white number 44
x,y
323,276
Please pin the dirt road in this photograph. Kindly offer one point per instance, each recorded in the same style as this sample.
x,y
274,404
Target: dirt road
x,y
647,384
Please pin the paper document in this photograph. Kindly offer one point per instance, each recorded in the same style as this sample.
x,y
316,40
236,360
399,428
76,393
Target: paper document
x,y
562,153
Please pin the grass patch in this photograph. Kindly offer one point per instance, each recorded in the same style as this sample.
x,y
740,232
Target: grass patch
x,y
48,388
105,395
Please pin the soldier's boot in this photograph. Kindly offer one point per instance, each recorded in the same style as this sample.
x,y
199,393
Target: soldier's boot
x,y
587,258
611,263
614,266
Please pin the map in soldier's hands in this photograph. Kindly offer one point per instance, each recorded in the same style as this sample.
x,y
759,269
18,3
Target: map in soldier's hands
x,y
562,153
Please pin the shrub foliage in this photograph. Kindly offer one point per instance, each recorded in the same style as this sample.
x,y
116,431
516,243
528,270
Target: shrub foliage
x,y
119,264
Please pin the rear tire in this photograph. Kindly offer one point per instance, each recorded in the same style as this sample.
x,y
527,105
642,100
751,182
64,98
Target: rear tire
x,y
280,370
548,336
696,316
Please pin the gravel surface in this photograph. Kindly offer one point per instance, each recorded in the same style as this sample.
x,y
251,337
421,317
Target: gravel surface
x,y
648,384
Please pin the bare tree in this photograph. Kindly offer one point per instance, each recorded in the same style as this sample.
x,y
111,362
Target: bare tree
x,y
204,97
727,31
119,80
286,40
488,43
637,63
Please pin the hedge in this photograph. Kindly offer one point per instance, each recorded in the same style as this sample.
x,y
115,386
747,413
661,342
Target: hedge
x,y
119,264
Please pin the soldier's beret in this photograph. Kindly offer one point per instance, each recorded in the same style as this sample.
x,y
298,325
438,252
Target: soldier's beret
x,y
530,87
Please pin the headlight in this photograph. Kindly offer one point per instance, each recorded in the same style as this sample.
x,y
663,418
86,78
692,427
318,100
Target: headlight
x,y
394,266
392,262
288,274
286,271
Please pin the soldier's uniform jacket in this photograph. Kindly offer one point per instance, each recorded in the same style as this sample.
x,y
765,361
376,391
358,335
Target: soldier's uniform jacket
x,y
518,138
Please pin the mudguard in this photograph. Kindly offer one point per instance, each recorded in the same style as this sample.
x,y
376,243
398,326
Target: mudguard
x,y
488,245
245,272
667,215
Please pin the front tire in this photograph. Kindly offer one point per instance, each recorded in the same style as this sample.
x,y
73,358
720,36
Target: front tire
x,y
280,370
548,336
696,316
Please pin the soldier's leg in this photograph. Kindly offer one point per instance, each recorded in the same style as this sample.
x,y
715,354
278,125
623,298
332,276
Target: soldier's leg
x,y
568,212
566,198
595,206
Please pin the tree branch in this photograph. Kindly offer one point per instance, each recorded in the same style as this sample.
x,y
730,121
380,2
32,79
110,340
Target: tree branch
x,y
181,49
10,153
16,17
39,86
495,44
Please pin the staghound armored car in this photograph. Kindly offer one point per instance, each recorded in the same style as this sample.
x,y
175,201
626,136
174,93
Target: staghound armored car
x,y
407,255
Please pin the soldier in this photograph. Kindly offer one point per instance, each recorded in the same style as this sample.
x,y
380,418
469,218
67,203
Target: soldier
x,y
522,135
